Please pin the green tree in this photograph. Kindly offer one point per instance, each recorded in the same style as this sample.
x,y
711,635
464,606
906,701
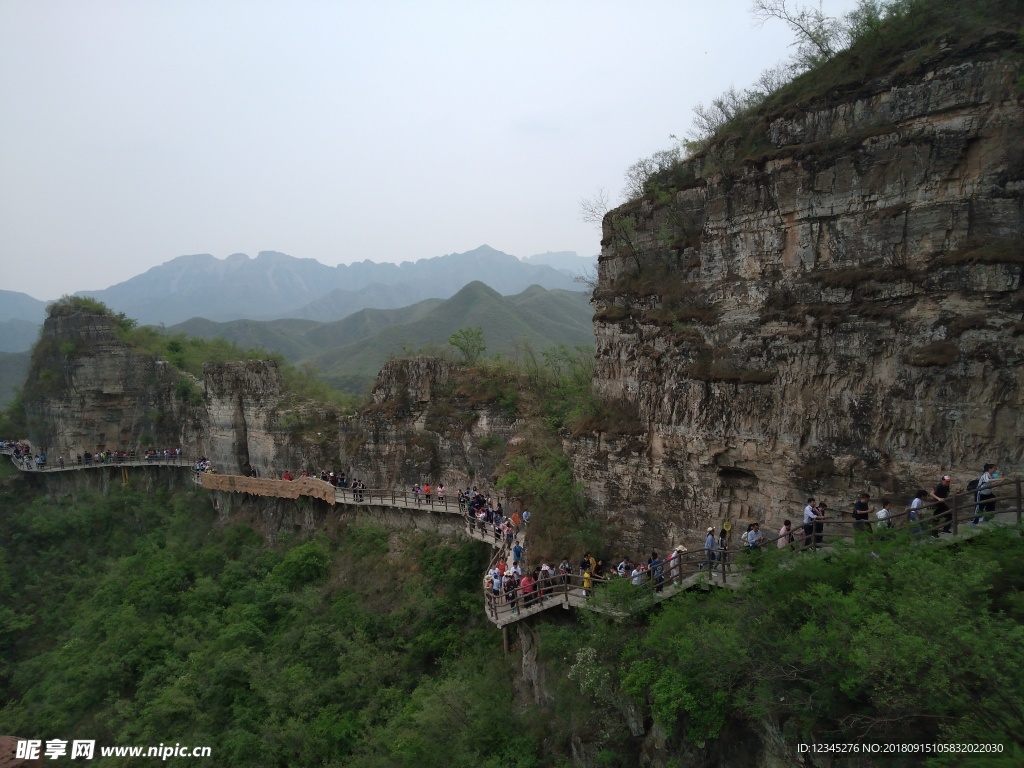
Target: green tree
x,y
470,342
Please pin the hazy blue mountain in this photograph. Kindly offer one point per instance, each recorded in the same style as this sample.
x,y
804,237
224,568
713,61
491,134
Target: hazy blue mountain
x,y
13,370
342,302
20,319
285,336
568,262
18,335
349,352
274,285
299,340
21,306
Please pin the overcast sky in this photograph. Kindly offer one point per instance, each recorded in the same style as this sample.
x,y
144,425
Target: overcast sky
x,y
134,132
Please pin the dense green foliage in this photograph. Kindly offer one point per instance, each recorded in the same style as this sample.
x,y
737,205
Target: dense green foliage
x,y
130,619
881,643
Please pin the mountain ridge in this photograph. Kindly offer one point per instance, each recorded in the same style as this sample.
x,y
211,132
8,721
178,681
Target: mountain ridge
x,y
274,285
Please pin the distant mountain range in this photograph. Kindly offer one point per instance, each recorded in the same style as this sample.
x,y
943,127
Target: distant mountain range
x,y
350,352
309,311
274,285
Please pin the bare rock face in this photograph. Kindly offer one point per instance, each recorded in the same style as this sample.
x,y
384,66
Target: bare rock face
x,y
426,424
242,401
87,391
839,312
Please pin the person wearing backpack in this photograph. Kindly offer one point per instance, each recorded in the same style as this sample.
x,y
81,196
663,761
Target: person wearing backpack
x,y
983,496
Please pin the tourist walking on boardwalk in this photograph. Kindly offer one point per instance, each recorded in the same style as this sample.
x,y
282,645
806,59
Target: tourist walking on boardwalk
x,y
884,514
984,497
914,516
637,575
755,538
785,535
810,517
861,514
440,492
709,549
940,493
819,525
426,492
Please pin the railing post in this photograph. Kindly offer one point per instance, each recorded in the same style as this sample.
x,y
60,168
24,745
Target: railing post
x,y
956,513
1018,486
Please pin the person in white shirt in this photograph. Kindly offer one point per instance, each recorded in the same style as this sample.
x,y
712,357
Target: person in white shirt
x,y
810,515
637,576
914,516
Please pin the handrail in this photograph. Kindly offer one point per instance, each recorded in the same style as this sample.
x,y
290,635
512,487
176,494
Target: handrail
x,y
28,464
571,589
679,569
962,507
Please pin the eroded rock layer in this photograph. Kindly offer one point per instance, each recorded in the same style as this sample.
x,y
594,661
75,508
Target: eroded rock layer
x,y
840,311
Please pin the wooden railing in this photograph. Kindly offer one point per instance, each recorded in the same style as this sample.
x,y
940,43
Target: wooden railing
x,y
684,568
28,463
718,566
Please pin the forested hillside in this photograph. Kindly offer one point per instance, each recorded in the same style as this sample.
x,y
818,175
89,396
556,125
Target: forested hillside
x,y
133,618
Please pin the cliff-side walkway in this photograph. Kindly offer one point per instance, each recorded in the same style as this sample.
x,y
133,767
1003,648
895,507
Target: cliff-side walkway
x,y
684,570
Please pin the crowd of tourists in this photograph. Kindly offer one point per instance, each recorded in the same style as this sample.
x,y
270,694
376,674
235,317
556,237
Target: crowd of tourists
x,y
514,585
23,455
486,514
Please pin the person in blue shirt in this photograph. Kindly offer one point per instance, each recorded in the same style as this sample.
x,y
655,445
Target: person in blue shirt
x,y
755,538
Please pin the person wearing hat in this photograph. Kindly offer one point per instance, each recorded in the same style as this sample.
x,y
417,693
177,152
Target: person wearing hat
x,y
940,494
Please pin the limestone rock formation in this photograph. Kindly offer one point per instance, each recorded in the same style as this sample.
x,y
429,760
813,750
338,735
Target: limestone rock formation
x,y
840,310
427,422
88,391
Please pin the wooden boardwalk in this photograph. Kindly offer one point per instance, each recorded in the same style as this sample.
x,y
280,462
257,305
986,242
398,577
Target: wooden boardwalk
x,y
686,571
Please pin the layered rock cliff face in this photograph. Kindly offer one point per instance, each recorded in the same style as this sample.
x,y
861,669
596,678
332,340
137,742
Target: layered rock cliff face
x,y
428,421
87,391
250,421
840,312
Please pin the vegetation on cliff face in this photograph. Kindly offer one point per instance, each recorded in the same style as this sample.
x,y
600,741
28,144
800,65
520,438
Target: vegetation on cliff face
x,y
189,355
880,643
131,619
833,56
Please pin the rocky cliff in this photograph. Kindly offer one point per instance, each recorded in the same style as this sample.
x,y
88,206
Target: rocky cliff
x,y
90,390
428,420
840,310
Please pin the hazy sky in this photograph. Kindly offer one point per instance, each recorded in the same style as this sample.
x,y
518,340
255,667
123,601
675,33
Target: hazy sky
x,y
135,132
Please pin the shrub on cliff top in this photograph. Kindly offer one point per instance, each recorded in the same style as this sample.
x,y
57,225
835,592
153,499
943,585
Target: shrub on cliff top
x,y
68,305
